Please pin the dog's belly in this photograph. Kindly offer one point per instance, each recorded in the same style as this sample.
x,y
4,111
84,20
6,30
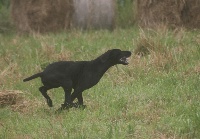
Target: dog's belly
x,y
87,81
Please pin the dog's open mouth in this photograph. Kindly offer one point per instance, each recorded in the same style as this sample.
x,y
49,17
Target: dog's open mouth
x,y
124,60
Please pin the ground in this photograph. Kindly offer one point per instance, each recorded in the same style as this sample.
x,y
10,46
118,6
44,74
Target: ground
x,y
155,96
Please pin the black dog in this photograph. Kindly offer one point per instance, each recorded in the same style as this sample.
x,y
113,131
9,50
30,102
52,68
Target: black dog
x,y
79,75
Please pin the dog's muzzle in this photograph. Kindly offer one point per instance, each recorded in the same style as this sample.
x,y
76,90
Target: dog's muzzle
x,y
124,60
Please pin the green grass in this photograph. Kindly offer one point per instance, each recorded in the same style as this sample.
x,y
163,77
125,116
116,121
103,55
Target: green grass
x,y
155,96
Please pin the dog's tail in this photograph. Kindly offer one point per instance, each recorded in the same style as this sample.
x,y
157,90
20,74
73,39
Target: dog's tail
x,y
33,77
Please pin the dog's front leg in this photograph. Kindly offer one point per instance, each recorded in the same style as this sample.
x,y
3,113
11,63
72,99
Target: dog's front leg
x,y
67,103
80,98
78,94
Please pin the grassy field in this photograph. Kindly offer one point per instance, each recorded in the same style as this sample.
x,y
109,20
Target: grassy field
x,y
156,96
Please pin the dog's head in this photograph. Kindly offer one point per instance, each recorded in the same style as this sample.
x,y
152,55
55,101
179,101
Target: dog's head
x,y
116,56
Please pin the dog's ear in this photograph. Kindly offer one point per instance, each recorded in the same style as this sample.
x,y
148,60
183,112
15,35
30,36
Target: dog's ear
x,y
105,56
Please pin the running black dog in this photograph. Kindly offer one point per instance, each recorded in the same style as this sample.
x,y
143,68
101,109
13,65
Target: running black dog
x,y
79,75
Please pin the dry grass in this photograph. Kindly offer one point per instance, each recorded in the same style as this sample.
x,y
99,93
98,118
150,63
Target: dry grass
x,y
156,12
7,72
151,52
9,97
49,52
16,100
194,70
27,106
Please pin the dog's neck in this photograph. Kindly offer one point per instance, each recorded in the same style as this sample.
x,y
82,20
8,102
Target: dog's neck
x,y
100,66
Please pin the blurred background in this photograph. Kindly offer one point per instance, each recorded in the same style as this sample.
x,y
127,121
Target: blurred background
x,y
56,15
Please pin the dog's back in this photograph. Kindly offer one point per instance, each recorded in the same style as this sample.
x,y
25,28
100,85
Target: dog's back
x,y
65,68
63,72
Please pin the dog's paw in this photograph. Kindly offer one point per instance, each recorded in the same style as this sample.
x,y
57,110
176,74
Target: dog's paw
x,y
59,110
63,107
82,107
67,105
77,105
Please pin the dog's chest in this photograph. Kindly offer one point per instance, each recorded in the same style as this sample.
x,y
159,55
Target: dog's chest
x,y
89,79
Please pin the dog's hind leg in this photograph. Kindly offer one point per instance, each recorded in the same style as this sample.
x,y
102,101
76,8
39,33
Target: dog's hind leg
x,y
43,90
